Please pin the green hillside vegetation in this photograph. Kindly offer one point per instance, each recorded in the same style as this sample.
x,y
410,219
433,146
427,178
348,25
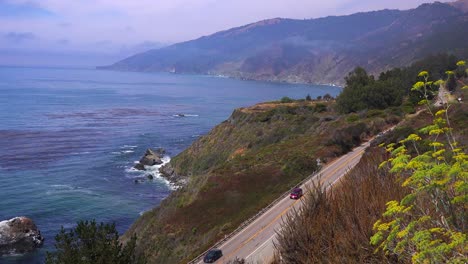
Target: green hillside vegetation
x,y
393,87
420,197
244,164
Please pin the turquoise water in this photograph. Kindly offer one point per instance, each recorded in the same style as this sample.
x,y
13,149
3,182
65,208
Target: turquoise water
x,y
69,137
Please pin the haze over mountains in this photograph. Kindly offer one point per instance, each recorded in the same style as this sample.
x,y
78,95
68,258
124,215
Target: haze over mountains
x,y
319,50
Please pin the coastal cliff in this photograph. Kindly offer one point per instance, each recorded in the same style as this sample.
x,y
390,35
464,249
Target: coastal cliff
x,y
320,50
242,165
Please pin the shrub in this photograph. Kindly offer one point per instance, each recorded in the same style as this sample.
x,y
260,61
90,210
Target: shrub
x,y
319,108
408,108
286,100
429,224
90,243
375,113
334,226
352,118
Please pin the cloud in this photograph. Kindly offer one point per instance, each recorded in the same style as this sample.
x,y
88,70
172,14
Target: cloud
x,y
10,8
19,37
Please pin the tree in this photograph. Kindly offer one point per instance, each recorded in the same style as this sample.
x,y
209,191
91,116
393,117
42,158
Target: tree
x,y
451,83
351,98
308,98
92,243
461,71
429,224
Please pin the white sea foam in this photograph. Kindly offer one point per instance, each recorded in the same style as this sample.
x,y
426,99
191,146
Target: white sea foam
x,y
64,188
128,146
122,152
142,212
153,171
61,186
80,153
132,170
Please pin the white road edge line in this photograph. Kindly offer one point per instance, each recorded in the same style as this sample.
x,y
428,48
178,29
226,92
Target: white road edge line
x,y
259,247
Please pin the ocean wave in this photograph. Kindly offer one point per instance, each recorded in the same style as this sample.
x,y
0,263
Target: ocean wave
x,y
128,146
64,188
132,170
142,212
128,151
80,153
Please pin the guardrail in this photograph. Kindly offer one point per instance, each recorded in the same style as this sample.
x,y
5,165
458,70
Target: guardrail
x,y
251,219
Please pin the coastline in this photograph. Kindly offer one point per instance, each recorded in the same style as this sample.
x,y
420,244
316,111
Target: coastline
x,y
336,84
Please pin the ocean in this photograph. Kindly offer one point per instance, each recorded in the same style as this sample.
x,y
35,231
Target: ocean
x,y
70,137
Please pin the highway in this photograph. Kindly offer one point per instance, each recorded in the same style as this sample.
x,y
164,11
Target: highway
x,y
255,242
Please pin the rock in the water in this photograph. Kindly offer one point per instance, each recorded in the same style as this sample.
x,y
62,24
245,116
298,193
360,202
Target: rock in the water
x,y
139,166
19,235
150,158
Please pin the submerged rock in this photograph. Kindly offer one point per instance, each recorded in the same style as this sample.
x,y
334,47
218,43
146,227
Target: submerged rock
x,y
19,235
151,157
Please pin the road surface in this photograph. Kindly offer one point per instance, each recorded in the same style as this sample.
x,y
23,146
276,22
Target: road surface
x,y
255,242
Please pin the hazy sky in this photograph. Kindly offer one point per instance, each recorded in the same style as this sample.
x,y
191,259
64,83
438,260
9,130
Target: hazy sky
x,y
100,31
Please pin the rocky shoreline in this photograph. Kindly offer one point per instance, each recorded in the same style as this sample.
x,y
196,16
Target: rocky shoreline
x,y
168,172
19,235
154,157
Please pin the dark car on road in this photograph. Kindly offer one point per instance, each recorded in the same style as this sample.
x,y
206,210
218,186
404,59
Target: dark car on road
x,y
212,255
296,193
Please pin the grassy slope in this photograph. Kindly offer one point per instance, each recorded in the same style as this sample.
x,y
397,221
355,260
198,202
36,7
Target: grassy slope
x,y
335,227
242,165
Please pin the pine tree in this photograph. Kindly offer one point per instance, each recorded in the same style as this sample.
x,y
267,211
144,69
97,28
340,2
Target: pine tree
x,y
92,243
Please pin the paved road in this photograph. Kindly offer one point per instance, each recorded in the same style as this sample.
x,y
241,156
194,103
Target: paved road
x,y
255,242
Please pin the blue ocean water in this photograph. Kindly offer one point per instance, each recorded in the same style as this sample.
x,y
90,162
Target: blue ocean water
x,y
69,137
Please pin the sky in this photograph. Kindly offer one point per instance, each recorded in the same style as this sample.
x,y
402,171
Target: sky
x,y
100,32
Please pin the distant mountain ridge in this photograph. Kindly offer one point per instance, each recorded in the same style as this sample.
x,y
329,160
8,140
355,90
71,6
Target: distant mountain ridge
x,y
319,50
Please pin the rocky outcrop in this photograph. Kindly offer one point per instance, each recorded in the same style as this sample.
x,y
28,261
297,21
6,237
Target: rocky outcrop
x,y
19,235
151,157
168,172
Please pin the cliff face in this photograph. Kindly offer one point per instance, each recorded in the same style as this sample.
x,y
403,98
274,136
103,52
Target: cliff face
x,y
320,50
242,165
